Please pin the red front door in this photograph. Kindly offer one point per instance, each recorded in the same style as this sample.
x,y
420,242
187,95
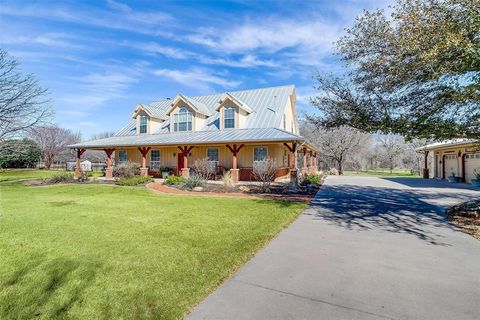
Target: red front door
x,y
179,163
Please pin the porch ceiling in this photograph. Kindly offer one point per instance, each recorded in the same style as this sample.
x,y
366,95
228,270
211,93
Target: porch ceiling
x,y
199,137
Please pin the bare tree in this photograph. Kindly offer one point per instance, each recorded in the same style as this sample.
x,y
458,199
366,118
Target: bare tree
x,y
264,171
102,135
53,142
336,145
23,103
392,147
204,168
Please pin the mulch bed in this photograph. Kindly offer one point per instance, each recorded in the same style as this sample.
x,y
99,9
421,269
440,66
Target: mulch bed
x,y
466,216
276,192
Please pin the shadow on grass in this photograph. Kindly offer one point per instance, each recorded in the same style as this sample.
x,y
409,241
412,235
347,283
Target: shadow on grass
x,y
40,289
386,209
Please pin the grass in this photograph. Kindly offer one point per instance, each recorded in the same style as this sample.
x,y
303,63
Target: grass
x,y
383,173
107,252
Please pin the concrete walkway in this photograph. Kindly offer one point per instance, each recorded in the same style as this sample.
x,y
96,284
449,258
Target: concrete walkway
x,y
367,248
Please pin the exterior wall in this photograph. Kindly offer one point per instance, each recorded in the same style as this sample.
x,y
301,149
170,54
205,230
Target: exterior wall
x,y
169,155
290,117
441,167
153,125
198,121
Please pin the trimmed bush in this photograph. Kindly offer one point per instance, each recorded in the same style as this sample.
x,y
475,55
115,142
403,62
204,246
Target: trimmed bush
x,y
174,180
313,179
61,177
19,154
126,170
134,181
194,181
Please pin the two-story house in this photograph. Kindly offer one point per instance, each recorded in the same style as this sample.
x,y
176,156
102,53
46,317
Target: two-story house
x,y
232,129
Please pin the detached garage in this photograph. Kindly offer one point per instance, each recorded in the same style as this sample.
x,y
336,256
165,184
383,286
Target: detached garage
x,y
460,157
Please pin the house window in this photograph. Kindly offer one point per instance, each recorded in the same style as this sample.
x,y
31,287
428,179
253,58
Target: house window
x,y
143,124
182,121
155,160
122,156
212,154
229,118
260,153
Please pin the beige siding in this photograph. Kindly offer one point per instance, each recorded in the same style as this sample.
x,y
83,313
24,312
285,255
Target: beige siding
x,y
455,164
290,123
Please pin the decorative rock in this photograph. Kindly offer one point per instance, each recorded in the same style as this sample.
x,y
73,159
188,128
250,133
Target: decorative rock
x,y
244,188
198,189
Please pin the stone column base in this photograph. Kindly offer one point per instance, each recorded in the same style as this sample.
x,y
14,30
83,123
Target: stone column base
x,y
109,173
304,171
144,172
185,172
293,175
235,174
426,173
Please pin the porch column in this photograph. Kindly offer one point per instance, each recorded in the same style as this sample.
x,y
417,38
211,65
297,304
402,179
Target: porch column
x,y
291,161
310,168
235,172
426,173
108,169
316,161
304,167
78,168
185,151
144,152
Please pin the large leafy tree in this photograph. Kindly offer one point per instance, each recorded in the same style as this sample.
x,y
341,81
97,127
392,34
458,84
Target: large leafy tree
x,y
19,154
415,73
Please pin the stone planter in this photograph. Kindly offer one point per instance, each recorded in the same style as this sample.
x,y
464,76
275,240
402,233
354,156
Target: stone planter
x,y
165,174
476,183
454,179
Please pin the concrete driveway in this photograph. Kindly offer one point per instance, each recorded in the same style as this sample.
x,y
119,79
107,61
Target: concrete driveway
x,y
367,248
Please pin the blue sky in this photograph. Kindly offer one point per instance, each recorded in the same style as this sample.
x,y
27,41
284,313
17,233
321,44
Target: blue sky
x,y
100,58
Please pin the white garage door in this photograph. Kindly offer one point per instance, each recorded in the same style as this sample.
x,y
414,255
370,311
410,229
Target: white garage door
x,y
472,162
451,165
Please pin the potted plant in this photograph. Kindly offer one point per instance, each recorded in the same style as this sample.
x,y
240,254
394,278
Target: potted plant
x,y
453,177
165,172
476,181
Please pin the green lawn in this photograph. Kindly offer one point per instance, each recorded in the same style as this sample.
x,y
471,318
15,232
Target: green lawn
x,y
382,173
110,252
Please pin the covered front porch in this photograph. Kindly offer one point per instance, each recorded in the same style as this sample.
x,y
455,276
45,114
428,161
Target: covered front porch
x,y
291,158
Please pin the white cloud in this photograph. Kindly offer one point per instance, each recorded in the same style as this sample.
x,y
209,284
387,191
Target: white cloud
x,y
196,78
155,48
245,61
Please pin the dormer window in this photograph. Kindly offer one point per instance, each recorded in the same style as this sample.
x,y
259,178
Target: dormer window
x,y
143,124
182,121
229,118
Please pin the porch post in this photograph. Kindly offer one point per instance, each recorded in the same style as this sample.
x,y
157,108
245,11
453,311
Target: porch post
x,y
316,161
144,152
235,172
185,151
426,173
78,168
292,161
311,169
108,169
304,166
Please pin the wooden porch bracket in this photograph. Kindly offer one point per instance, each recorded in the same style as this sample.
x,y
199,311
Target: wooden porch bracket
x,y
234,172
144,151
235,150
185,152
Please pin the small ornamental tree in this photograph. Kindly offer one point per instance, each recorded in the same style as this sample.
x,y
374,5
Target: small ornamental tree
x,y
264,171
19,154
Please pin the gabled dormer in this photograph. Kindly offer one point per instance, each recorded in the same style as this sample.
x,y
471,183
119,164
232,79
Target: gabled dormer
x,y
232,112
187,114
146,121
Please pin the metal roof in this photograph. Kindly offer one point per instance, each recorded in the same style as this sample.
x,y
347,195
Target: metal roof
x,y
266,104
194,137
447,143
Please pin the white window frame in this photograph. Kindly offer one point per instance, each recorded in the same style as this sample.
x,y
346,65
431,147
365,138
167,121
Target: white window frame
x,y
229,118
183,111
155,164
143,117
266,156
119,157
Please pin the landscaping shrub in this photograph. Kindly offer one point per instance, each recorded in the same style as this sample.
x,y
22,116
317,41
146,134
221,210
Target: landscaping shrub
x,y
194,181
19,154
313,179
227,181
134,181
174,180
61,177
126,170
334,172
204,168
264,171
